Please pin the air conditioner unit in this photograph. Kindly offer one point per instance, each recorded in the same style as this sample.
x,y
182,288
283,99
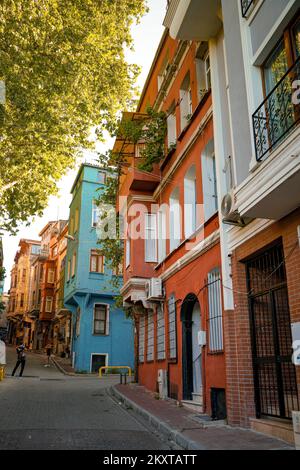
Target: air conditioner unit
x,y
230,212
155,289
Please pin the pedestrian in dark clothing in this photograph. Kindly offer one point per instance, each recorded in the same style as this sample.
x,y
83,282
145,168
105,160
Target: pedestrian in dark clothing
x,y
48,352
21,359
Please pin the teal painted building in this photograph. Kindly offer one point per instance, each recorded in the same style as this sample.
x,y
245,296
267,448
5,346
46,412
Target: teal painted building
x,y
101,333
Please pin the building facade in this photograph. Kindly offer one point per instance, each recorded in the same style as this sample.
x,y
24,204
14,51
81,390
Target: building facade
x,y
254,51
101,333
21,325
172,270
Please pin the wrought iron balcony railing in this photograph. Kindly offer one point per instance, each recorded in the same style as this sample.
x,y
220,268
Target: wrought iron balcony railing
x,y
246,5
278,114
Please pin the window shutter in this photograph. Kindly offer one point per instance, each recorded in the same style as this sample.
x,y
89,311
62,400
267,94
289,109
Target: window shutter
x,y
162,236
172,328
215,311
209,183
150,338
189,206
160,338
142,339
150,238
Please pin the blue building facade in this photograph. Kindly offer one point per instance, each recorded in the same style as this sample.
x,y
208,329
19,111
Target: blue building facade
x,y
101,333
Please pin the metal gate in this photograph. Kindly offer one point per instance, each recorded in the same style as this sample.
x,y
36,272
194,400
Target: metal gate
x,y
274,373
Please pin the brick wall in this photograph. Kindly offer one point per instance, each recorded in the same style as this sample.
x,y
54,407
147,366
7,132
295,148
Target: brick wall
x,y
240,389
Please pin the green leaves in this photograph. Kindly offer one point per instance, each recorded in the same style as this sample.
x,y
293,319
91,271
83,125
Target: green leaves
x,y
65,72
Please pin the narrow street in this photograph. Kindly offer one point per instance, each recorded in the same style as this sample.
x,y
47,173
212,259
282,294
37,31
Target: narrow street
x,y
48,410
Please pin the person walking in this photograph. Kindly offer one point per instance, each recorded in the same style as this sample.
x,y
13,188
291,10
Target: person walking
x,y
21,360
48,352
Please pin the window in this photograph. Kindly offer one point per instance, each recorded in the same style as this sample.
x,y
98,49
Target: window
x,y
174,222
76,225
51,276
150,238
24,275
160,334
96,262
282,57
49,303
95,214
35,273
33,298
171,126
172,328
150,337
202,62
73,264
142,339
101,177
163,71
69,270
35,249
209,181
118,271
100,320
54,251
78,315
207,72
162,236
190,203
186,106
41,272
72,226
22,301
39,297
215,311
128,252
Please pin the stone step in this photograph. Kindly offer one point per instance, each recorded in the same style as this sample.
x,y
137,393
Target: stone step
x,y
198,398
193,405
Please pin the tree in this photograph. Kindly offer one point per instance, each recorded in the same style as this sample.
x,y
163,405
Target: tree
x,y
64,67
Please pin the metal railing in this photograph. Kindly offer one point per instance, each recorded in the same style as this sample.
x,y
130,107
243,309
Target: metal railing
x,y
246,5
278,114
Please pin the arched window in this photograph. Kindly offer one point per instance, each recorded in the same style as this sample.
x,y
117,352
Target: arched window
x,y
174,221
190,202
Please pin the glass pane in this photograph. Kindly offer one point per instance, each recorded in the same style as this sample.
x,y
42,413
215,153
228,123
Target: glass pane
x,y
296,38
275,67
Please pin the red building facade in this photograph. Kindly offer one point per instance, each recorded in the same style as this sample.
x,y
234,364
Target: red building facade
x,y
172,271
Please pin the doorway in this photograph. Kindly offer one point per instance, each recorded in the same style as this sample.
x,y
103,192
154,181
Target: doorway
x,y
191,351
275,381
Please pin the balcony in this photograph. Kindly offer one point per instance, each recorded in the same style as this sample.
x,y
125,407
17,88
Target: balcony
x,y
246,7
197,20
277,142
278,114
44,254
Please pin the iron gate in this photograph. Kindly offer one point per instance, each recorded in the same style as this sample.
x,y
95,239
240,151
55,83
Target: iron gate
x,y
274,373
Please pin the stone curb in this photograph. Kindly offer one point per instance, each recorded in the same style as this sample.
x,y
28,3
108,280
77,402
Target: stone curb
x,y
60,368
158,424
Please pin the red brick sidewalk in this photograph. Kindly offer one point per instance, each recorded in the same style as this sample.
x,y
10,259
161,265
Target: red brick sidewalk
x,y
186,429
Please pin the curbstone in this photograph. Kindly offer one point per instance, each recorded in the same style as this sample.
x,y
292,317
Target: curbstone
x,y
159,425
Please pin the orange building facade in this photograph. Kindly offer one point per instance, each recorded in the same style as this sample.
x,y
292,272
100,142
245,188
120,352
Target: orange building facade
x,y
172,261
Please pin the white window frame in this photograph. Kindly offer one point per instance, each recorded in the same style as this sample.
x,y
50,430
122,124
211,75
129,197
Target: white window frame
x,y
95,214
51,276
209,183
128,252
98,354
174,220
190,202
161,235
150,238
107,329
172,127
142,338
50,300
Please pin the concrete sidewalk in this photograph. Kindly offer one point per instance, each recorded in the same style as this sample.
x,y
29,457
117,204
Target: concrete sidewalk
x,y
188,430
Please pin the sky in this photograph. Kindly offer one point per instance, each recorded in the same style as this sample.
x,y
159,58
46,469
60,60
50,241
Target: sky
x,y
146,35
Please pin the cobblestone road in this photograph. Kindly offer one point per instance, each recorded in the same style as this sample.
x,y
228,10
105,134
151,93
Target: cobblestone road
x,y
48,410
